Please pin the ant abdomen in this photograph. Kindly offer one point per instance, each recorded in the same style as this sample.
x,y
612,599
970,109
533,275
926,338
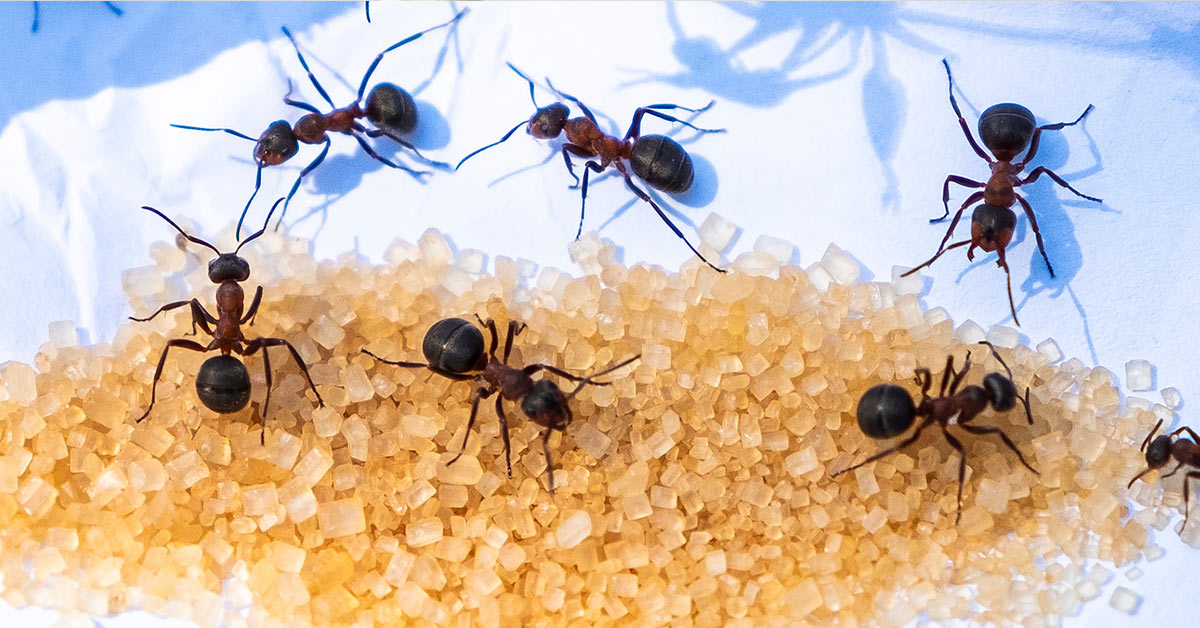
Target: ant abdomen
x,y
1006,127
276,145
545,405
1002,393
662,163
454,345
392,109
885,410
223,384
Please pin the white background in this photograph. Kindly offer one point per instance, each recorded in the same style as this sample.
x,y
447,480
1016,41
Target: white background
x,y
839,130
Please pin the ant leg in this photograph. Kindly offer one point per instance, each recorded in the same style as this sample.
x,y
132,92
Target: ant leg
x,y
1025,399
296,186
253,311
958,216
889,451
263,343
205,128
591,166
316,84
299,104
646,197
371,70
1195,439
503,434
1187,493
1173,472
961,121
458,377
579,151
417,174
513,329
1008,281
962,468
257,184
549,462
1037,134
984,429
1037,172
933,259
635,127
946,373
925,382
490,326
500,141
1150,435
166,308
480,394
963,181
116,10
368,3
178,342
586,112
1036,232
262,414
33,28
960,374
373,133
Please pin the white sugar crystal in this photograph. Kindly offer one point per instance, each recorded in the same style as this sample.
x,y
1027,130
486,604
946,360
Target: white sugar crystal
x,y
842,267
778,248
756,264
471,261
435,251
19,380
526,268
1002,336
326,332
1050,349
912,284
585,252
400,251
717,232
1134,573
1172,398
143,281
819,276
801,462
1138,376
63,334
969,332
576,527
1124,600
358,386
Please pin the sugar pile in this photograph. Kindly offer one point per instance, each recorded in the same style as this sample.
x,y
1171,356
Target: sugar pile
x,y
696,487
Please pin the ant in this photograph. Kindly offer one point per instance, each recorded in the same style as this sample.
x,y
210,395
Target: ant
x,y
454,349
1006,129
657,159
33,28
390,108
887,410
223,383
1167,446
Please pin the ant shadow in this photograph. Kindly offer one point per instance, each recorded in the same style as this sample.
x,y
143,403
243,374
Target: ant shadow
x,y
78,48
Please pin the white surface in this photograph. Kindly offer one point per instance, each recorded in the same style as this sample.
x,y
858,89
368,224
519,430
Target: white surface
x,y
839,130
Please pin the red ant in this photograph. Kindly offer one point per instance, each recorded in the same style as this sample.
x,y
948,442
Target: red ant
x,y
390,108
1006,129
1165,447
454,349
223,384
887,410
659,160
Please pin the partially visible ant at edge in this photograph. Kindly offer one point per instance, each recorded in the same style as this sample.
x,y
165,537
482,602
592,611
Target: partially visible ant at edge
x,y
390,108
1162,449
223,383
657,159
33,28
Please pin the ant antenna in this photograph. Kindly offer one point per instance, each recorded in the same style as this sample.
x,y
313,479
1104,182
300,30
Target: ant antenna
x,y
527,80
190,238
1151,435
260,231
1025,399
496,143
588,380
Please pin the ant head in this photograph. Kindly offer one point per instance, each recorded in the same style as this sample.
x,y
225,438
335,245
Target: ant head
x,y
662,163
885,411
392,109
1001,392
546,405
454,345
549,121
276,145
992,227
228,267
311,128
1006,129
1159,451
223,384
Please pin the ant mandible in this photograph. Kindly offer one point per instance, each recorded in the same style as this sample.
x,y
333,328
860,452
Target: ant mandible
x,y
454,349
657,159
1006,129
390,108
887,410
223,383
1167,446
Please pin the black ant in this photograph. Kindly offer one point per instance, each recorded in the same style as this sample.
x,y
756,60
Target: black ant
x,y
223,383
1160,451
657,159
887,410
454,349
33,28
390,108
